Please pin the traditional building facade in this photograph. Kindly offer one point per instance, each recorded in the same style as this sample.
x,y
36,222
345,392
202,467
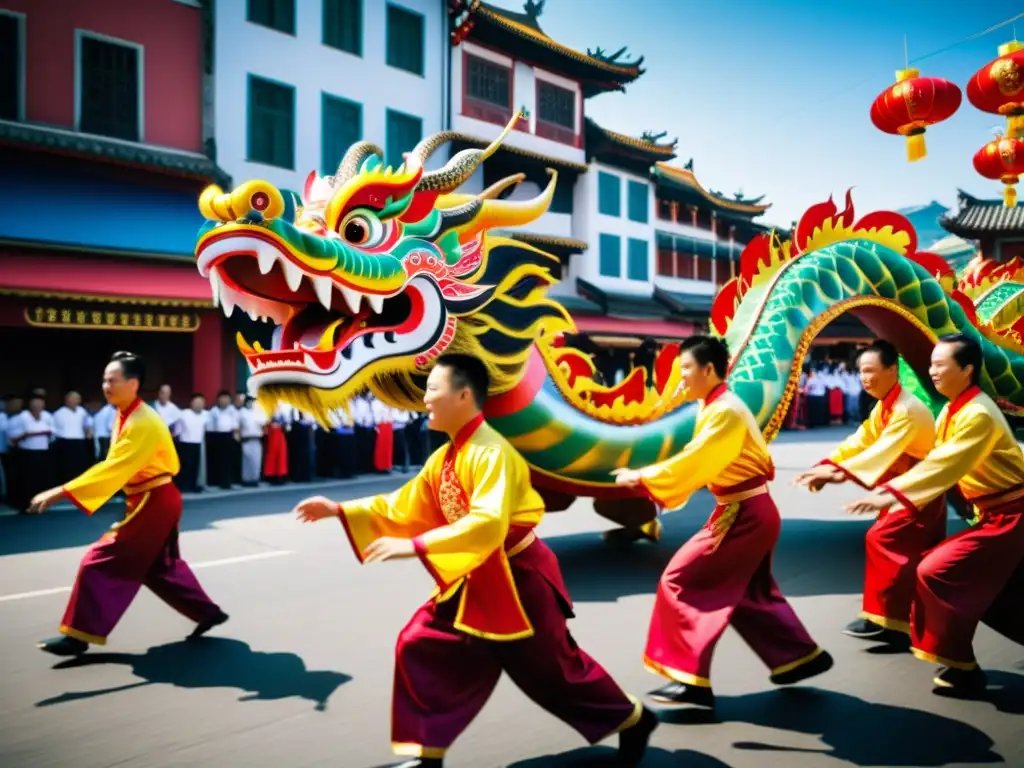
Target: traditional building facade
x,y
997,233
101,164
295,82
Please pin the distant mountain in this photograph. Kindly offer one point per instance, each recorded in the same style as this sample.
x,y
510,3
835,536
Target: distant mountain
x,y
925,219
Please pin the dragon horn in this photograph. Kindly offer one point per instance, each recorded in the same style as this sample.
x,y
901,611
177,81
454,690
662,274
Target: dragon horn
x,y
353,160
457,170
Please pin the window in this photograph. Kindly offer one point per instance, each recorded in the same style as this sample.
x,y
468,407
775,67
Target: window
x,y
341,125
636,265
343,25
402,133
271,137
405,40
556,105
489,82
275,14
636,202
12,66
609,194
109,88
609,256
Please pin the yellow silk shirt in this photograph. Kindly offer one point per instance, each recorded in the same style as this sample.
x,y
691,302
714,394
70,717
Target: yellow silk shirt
x,y
459,514
141,449
975,449
899,424
727,448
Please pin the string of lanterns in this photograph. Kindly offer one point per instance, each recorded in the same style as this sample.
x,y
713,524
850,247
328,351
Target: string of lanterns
x,y
915,103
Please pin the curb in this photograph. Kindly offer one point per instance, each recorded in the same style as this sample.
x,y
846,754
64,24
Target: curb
x,y
234,493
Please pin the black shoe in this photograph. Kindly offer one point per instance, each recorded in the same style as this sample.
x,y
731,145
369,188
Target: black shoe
x,y
205,626
421,762
64,646
821,663
864,628
681,694
957,681
633,741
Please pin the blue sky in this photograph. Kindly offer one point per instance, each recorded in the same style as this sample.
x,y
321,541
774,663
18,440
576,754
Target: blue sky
x,y
773,97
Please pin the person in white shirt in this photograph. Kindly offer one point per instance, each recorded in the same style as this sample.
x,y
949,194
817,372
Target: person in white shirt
x,y
222,442
168,411
251,421
31,432
102,427
366,432
817,402
192,427
72,446
301,451
275,462
401,420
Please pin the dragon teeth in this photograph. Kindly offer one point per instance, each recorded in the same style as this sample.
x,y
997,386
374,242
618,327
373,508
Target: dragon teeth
x,y
253,315
376,303
324,288
227,303
292,275
215,286
266,256
352,298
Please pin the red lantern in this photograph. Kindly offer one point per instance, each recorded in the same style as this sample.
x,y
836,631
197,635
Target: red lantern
x,y
911,105
1002,159
998,87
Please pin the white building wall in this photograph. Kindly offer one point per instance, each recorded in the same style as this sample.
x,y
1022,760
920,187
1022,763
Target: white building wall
x,y
302,61
591,224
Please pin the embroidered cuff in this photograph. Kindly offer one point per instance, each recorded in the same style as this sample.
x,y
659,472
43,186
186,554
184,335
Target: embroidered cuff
x,y
348,532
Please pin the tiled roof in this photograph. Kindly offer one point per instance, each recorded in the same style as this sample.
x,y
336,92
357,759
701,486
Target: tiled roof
x,y
685,303
510,31
685,178
62,141
974,217
622,304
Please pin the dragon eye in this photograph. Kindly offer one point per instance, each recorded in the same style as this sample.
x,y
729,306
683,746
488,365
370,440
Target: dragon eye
x,y
362,229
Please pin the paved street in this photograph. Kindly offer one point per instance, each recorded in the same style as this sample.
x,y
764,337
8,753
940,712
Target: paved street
x,y
301,674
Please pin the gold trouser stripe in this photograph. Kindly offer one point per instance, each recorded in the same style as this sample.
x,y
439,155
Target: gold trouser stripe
x,y
894,624
675,675
410,749
85,637
798,663
932,658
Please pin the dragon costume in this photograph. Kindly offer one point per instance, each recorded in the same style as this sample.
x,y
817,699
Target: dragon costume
x,y
373,272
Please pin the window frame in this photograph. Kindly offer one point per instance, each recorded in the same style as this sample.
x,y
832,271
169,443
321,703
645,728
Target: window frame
x,y
360,6
601,174
248,120
632,184
292,32
325,97
388,111
602,238
140,95
21,82
423,38
647,259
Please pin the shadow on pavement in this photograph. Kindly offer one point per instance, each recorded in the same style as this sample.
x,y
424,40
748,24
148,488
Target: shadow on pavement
x,y
813,557
214,662
585,757
1005,692
853,730
65,528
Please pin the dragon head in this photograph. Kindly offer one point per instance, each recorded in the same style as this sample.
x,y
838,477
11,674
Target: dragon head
x,y
375,272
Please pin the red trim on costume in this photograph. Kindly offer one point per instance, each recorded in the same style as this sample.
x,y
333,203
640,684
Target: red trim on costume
x,y
71,497
523,393
466,432
421,552
849,475
889,401
348,532
714,394
961,400
900,498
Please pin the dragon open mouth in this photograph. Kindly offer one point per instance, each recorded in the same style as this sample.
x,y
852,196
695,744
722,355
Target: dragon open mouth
x,y
327,331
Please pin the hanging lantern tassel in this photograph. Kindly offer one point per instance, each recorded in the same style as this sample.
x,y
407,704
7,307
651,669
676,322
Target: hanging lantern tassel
x,y
916,148
1010,191
1015,126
